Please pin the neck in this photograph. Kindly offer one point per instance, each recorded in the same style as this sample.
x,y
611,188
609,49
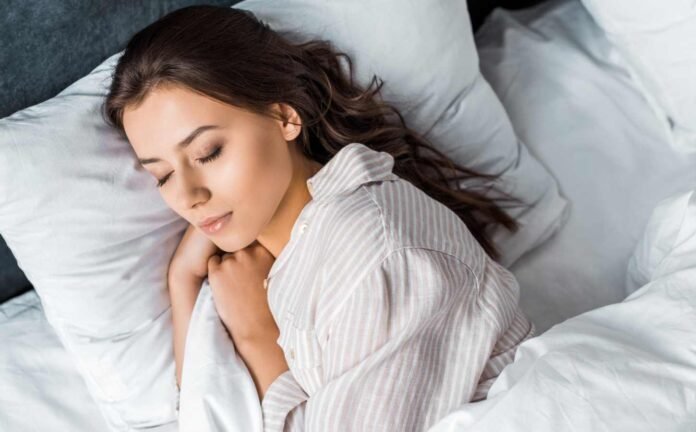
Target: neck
x,y
277,233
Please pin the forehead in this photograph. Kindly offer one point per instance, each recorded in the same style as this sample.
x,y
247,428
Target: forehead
x,y
168,114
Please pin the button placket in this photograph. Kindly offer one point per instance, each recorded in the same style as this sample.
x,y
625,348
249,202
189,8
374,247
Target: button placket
x,y
300,345
299,228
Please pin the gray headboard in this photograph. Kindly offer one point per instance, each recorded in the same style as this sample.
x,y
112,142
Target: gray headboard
x,y
46,45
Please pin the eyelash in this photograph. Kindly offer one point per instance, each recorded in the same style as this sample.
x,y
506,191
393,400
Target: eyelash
x,y
214,155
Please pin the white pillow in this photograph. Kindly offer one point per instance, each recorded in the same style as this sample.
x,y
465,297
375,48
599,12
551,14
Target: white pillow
x,y
657,39
425,53
93,235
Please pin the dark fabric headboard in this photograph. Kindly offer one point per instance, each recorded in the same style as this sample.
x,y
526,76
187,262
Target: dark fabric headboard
x,y
46,45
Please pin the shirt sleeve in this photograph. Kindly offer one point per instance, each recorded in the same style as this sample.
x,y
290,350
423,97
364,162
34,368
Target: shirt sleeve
x,y
499,295
407,345
283,405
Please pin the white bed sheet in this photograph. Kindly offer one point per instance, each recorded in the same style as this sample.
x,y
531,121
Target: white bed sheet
x,y
40,388
571,99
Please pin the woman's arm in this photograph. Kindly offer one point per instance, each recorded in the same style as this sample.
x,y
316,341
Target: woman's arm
x,y
183,291
236,283
265,360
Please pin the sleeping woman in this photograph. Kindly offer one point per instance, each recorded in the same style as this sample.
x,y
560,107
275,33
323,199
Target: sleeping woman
x,y
354,274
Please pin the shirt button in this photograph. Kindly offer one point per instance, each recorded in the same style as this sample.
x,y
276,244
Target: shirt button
x,y
303,227
292,354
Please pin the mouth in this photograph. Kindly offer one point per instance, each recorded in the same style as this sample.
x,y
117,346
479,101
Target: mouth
x,y
213,226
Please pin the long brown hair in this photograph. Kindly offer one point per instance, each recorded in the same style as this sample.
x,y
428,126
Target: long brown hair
x,y
230,55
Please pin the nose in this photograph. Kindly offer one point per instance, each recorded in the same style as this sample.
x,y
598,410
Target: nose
x,y
191,191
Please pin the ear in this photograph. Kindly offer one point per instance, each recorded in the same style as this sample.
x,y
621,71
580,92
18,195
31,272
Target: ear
x,y
290,123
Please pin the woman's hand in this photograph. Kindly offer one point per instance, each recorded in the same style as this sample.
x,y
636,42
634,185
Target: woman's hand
x,y
236,282
192,254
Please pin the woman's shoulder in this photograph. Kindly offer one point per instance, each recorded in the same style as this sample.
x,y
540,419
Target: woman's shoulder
x,y
413,218
395,214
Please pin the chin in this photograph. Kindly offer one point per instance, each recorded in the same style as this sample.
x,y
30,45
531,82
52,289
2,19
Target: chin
x,y
232,243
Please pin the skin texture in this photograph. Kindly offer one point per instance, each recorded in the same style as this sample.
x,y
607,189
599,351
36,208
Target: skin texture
x,y
259,175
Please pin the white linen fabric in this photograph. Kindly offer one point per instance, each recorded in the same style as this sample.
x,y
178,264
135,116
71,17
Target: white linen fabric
x,y
657,39
571,98
621,368
425,53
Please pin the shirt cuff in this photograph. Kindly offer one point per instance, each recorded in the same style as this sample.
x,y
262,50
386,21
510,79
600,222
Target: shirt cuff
x,y
282,396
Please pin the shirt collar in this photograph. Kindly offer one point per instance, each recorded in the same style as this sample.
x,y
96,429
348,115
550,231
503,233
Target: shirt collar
x,y
352,166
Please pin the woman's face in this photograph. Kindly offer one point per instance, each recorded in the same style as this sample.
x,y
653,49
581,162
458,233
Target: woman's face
x,y
211,158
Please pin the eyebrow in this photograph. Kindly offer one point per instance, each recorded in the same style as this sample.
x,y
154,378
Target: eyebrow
x,y
182,145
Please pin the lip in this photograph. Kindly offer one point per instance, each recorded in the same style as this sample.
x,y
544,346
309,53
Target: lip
x,y
213,224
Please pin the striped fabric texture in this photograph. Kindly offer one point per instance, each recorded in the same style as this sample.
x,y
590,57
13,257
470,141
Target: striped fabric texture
x,y
391,315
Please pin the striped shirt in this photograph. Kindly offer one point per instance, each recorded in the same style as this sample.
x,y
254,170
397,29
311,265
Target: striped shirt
x,y
391,315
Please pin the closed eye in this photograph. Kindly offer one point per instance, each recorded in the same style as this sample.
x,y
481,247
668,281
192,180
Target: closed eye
x,y
214,155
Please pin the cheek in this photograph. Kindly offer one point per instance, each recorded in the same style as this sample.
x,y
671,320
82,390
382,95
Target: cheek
x,y
256,175
271,180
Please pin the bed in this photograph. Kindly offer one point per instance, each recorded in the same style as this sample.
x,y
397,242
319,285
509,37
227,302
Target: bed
x,y
575,104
